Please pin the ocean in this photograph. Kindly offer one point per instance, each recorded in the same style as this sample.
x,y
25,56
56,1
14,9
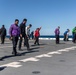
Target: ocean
x,y
49,36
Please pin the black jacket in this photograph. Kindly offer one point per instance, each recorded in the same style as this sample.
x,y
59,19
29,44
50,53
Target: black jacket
x,y
3,31
22,29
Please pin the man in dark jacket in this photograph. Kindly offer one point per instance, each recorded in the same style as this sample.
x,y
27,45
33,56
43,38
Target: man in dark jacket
x,y
3,34
23,35
14,32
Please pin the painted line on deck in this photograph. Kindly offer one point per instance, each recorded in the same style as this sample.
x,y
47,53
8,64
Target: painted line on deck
x,y
37,58
12,64
29,59
43,55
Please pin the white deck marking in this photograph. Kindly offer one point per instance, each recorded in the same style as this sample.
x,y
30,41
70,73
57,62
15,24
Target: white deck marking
x,y
72,48
36,58
63,50
12,64
69,48
29,59
43,55
54,52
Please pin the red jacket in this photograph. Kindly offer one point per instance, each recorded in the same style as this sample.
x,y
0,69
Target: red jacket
x,y
37,33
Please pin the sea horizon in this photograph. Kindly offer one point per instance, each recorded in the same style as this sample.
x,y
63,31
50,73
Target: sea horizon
x,y
48,36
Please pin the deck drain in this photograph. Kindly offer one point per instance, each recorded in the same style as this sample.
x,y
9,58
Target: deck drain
x,y
62,60
36,72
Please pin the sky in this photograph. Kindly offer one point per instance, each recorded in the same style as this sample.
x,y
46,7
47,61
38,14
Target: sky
x,y
48,14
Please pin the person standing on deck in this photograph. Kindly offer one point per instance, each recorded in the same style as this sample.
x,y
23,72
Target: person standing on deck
x,y
57,33
28,30
73,31
37,35
14,32
66,35
74,35
3,34
23,35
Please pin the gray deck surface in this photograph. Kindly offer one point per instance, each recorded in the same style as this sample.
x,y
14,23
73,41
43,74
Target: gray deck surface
x,y
46,64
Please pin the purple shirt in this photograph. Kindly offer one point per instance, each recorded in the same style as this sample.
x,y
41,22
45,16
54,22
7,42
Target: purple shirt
x,y
57,32
14,30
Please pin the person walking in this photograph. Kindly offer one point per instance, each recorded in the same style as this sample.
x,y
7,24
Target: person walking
x,y
57,32
3,34
14,32
36,35
23,35
28,30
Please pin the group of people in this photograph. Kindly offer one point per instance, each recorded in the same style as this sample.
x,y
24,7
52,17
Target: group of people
x,y
18,32
66,35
